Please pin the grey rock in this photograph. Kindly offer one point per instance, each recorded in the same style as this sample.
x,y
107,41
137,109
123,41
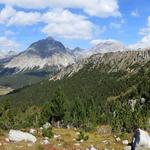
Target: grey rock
x,y
127,148
140,140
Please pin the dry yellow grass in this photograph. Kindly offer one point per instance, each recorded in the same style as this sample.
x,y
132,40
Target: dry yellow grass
x,y
67,142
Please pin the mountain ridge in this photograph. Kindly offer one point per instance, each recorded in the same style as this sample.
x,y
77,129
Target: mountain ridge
x,y
117,61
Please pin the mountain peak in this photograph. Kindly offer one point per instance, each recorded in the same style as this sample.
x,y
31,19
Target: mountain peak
x,y
108,46
46,47
50,38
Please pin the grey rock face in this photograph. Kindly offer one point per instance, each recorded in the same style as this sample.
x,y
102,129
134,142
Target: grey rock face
x,y
115,60
44,53
46,47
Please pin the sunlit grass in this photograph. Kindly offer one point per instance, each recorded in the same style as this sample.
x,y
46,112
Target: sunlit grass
x,y
68,141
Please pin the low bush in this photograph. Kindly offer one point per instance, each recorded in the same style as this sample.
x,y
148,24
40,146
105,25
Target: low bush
x,y
82,136
47,133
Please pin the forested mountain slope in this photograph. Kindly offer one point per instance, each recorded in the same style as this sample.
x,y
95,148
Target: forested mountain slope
x,y
108,93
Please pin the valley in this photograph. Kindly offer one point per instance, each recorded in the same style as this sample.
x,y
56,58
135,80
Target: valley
x,y
82,91
5,90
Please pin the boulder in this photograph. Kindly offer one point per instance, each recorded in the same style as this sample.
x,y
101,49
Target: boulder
x,y
47,125
118,139
92,148
32,131
57,136
7,139
17,136
44,142
127,148
104,130
140,140
125,142
46,138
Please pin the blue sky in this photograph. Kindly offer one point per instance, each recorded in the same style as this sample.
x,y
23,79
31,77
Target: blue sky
x,y
80,23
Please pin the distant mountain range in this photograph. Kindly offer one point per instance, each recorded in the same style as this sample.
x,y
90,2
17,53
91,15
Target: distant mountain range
x,y
41,59
50,58
49,53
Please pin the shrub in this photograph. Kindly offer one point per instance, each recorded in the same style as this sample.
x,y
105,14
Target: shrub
x,y
47,132
82,136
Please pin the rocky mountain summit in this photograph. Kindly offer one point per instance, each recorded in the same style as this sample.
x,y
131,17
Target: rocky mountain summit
x,y
109,46
46,52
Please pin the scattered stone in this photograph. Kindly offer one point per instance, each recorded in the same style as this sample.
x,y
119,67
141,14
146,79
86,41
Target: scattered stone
x,y
140,139
41,128
68,126
73,139
20,146
17,136
7,139
81,141
47,125
75,129
132,103
143,100
57,136
127,148
92,148
46,138
44,142
77,133
125,142
30,144
118,139
59,144
104,130
105,142
0,144
32,131
77,144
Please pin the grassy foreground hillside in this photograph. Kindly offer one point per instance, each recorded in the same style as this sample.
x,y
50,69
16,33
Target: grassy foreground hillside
x,y
68,141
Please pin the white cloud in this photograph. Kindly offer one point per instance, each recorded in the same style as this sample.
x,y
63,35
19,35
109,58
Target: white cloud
x,y
6,13
97,41
135,13
23,18
146,30
7,44
145,41
9,33
58,22
68,25
117,25
10,16
101,8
